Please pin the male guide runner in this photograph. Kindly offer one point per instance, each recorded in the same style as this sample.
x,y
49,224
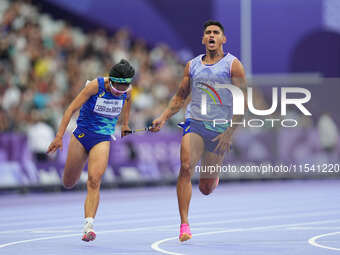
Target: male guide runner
x,y
201,139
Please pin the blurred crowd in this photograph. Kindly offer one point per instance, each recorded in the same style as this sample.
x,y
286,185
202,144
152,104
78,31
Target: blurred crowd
x,y
44,63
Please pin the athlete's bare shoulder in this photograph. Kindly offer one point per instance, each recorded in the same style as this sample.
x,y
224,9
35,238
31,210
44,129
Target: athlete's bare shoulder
x,y
237,68
106,79
184,87
238,75
91,87
187,69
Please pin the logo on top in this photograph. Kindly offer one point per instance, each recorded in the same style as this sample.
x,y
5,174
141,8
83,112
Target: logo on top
x,y
208,89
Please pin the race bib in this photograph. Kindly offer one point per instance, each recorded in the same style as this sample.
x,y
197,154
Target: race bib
x,y
108,107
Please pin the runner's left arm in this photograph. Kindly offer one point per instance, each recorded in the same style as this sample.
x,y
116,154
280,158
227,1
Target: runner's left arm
x,y
238,79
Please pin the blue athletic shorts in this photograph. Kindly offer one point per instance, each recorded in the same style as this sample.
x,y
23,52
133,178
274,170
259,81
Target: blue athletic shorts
x,y
196,126
89,139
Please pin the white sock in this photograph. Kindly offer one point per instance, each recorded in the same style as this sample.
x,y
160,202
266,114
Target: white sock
x,y
89,220
88,223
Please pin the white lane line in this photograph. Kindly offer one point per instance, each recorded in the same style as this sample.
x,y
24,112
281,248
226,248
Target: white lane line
x,y
173,226
79,234
155,245
284,216
53,231
19,219
173,218
112,221
315,228
151,212
118,217
312,241
202,215
68,219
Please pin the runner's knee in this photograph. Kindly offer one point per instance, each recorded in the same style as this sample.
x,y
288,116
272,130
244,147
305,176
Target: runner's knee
x,y
185,170
93,182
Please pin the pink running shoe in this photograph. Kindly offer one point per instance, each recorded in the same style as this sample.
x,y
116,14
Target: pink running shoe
x,y
89,235
185,233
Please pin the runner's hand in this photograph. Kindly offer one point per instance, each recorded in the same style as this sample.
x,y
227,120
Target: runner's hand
x,y
157,124
125,130
56,144
224,142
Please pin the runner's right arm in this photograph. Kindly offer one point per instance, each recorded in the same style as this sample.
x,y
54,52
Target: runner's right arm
x,y
83,96
177,101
